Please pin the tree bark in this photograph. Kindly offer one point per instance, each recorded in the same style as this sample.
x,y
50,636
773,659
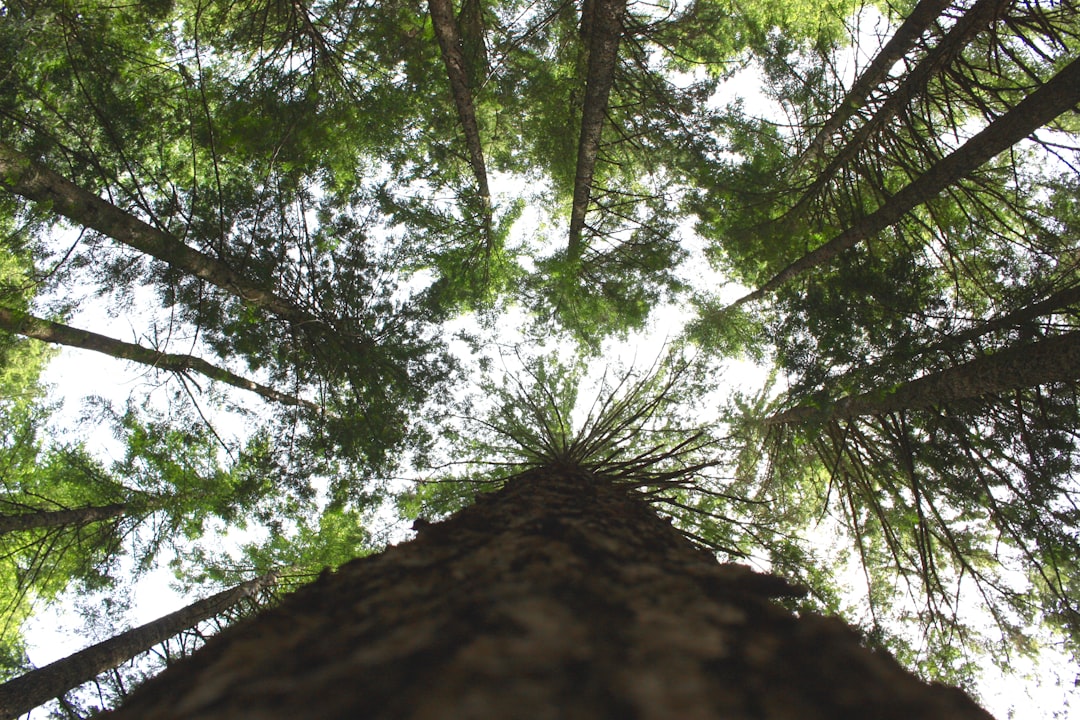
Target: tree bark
x,y
446,30
560,596
26,692
52,332
1020,317
1059,95
24,177
605,28
901,42
60,518
1055,359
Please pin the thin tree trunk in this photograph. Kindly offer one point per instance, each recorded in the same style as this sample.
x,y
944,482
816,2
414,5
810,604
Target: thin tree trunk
x,y
52,332
60,518
1059,95
980,16
560,596
605,29
901,42
24,177
26,692
1055,302
1055,359
446,30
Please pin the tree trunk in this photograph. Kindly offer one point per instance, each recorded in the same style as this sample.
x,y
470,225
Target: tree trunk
x,y
446,30
1020,318
981,15
1059,95
1055,359
560,596
60,518
52,332
22,176
902,41
605,29
26,692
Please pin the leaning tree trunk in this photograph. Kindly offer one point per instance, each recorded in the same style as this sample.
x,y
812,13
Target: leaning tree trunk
x,y
26,692
20,175
1055,359
60,518
902,41
1058,95
52,332
977,18
560,596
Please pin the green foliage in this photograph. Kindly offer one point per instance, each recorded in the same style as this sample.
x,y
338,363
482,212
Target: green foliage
x,y
314,150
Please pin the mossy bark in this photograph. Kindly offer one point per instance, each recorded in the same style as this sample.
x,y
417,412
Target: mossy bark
x,y
560,596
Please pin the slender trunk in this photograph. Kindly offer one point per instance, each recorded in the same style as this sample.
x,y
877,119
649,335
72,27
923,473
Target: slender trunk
x,y
980,16
52,332
560,596
605,29
1057,301
26,692
901,42
60,518
1055,359
446,30
22,176
1060,94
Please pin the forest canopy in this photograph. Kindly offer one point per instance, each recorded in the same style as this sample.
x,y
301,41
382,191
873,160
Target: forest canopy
x,y
369,258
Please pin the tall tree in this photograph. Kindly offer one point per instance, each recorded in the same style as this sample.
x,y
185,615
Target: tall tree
x,y
510,604
604,31
1058,95
903,39
49,331
1054,359
26,692
55,518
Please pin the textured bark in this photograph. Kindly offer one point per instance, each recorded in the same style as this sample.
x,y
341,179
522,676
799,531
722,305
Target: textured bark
x,y
52,332
446,30
1059,95
60,518
1027,315
561,596
605,27
26,692
1055,359
901,42
22,176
